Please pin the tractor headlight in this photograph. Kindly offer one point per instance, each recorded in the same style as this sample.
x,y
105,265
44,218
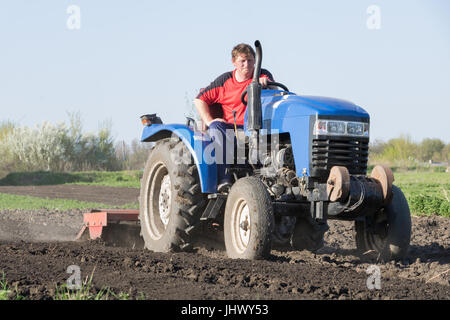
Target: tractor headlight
x,y
336,127
355,128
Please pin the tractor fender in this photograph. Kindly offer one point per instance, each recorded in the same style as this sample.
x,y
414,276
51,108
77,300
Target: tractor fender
x,y
195,142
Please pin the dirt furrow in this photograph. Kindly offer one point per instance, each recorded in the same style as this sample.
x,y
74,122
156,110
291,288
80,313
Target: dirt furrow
x,y
35,251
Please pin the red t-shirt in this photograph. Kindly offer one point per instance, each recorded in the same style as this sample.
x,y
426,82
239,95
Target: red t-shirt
x,y
227,91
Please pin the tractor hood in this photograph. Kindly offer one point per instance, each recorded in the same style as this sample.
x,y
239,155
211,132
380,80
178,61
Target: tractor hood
x,y
277,106
294,114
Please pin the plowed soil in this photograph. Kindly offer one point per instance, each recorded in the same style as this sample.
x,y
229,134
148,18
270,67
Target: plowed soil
x,y
36,248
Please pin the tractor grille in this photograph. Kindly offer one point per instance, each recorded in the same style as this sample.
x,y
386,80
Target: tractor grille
x,y
351,153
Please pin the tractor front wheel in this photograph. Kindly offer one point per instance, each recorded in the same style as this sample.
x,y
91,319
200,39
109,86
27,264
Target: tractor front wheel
x,y
249,220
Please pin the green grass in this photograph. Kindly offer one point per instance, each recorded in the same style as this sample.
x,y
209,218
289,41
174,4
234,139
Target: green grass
x,y
10,201
62,292
5,290
129,179
427,192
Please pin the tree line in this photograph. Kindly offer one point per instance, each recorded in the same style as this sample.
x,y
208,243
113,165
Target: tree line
x,y
65,147
404,152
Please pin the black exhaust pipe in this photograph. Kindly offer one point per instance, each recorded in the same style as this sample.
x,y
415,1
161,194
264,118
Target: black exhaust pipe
x,y
254,106
254,93
258,59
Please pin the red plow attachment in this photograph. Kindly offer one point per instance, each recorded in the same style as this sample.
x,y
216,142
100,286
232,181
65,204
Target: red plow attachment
x,y
117,227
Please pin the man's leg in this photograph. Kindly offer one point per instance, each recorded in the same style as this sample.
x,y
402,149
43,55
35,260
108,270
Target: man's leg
x,y
218,131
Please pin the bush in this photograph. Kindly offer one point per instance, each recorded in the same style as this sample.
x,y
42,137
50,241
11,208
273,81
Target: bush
x,y
133,157
36,149
406,154
50,147
6,161
431,149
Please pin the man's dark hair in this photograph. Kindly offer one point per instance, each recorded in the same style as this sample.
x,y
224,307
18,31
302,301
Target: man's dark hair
x,y
244,49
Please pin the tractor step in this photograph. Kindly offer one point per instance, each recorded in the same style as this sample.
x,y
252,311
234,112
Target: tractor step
x,y
118,227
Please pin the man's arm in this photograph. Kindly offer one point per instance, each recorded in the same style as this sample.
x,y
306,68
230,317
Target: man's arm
x,y
265,78
203,110
209,96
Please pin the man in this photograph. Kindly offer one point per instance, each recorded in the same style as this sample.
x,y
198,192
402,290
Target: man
x,y
226,90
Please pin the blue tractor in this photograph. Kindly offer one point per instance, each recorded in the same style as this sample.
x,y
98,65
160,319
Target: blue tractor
x,y
302,160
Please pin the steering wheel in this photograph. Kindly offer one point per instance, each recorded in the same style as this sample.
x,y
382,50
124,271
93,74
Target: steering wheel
x,y
277,84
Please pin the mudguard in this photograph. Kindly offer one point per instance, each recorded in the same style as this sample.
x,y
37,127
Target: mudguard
x,y
196,143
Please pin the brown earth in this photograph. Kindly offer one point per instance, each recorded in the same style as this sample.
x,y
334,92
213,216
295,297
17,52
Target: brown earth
x,y
35,251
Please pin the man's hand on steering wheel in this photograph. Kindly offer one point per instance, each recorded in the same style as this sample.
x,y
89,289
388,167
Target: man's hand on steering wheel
x,y
268,83
263,81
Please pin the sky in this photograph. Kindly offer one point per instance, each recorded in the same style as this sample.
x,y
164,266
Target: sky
x,y
113,61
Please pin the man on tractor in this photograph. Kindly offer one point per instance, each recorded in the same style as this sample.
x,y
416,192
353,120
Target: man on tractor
x,y
226,90
314,169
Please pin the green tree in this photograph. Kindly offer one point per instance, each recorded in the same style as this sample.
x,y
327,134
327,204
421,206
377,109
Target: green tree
x,y
6,127
445,154
400,149
133,156
431,149
377,147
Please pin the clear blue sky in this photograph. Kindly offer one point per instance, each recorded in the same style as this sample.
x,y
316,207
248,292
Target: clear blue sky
x,y
134,57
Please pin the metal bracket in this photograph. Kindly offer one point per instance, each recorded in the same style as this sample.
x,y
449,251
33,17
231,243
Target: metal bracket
x,y
318,210
318,194
216,201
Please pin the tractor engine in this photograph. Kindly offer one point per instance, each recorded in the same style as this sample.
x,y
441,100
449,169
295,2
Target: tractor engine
x,y
278,170
278,173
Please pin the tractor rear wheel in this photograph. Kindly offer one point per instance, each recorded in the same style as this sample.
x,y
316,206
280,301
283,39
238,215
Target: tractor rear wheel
x,y
388,232
249,220
171,201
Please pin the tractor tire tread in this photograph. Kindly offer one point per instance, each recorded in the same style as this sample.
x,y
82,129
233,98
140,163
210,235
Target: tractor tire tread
x,y
189,201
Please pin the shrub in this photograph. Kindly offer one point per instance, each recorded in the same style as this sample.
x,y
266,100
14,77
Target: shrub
x,y
133,157
49,147
36,149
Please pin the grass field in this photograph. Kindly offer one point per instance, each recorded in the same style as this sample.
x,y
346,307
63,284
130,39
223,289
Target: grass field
x,y
129,179
11,201
427,192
